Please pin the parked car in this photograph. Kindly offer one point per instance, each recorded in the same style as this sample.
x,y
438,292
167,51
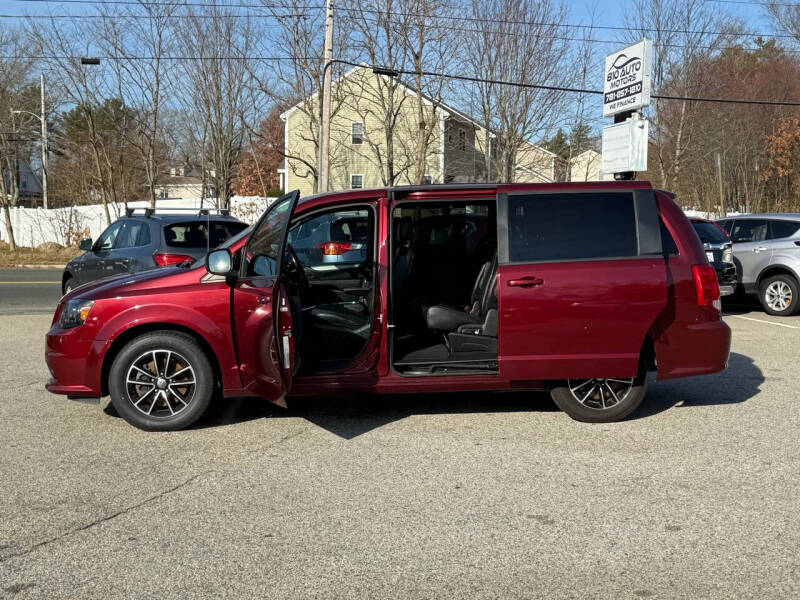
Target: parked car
x,y
583,290
145,239
766,252
719,250
340,238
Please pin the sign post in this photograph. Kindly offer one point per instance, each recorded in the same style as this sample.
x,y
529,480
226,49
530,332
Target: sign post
x,y
626,89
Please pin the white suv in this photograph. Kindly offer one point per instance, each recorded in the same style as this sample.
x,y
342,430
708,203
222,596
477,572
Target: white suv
x,y
766,252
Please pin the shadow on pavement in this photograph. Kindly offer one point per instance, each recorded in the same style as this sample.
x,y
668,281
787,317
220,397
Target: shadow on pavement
x,y
738,383
349,416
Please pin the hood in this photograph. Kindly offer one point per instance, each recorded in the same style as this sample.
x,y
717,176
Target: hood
x,y
138,283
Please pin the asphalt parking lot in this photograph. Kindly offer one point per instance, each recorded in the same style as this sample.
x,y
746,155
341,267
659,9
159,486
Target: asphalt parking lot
x,y
455,496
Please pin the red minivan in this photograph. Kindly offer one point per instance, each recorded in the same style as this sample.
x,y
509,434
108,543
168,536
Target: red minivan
x,y
579,289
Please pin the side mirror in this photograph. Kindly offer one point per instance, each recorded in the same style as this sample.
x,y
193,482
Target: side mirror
x,y
85,245
219,262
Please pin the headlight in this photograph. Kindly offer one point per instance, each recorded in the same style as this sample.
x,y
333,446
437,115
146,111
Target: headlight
x,y
75,313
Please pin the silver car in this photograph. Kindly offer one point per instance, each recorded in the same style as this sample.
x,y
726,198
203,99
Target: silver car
x,y
766,252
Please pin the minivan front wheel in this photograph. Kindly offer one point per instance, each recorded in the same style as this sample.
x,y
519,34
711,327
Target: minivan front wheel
x,y
161,381
779,295
600,400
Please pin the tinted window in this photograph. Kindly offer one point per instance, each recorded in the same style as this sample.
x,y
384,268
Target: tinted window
x,y
783,229
339,237
668,246
194,234
108,237
726,225
556,227
749,230
709,233
135,233
264,247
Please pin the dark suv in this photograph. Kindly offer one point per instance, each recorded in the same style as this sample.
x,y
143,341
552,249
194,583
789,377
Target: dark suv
x,y
144,239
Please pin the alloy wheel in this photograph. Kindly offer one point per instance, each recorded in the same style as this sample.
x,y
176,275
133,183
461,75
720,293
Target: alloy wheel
x,y
160,383
778,295
600,394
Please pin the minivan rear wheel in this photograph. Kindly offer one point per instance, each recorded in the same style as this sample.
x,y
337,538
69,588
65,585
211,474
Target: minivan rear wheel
x,y
601,400
161,381
779,295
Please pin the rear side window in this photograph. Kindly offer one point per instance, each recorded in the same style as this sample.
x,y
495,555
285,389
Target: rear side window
x,y
710,233
726,225
749,230
783,229
134,234
561,227
195,234
668,246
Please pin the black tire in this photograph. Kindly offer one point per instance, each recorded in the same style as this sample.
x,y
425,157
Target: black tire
x,y
174,353
777,291
67,286
592,410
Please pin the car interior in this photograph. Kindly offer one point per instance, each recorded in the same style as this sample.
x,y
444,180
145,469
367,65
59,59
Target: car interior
x,y
443,288
331,266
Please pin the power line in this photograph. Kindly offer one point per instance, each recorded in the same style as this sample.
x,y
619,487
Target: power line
x,y
376,11
176,58
554,88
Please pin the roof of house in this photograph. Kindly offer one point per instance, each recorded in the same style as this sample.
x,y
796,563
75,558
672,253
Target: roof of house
x,y
406,87
410,90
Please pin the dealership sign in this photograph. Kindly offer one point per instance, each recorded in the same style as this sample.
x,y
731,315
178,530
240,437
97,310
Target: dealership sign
x,y
625,147
626,84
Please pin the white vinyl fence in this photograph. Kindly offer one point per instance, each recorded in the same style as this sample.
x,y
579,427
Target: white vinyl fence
x,y
67,226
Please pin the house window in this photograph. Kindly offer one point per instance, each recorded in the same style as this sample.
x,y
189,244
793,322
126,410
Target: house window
x,y
462,139
356,182
427,180
357,132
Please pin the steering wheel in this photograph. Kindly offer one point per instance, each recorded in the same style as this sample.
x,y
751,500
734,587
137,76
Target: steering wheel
x,y
297,266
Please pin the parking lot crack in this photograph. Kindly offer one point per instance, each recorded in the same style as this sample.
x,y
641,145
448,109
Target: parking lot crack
x,y
105,518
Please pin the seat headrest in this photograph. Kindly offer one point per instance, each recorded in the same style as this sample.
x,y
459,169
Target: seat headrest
x,y
405,230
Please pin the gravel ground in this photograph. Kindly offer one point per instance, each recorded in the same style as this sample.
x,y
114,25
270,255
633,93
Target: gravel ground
x,y
454,496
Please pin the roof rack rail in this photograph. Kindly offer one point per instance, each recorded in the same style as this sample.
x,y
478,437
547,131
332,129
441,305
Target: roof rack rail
x,y
148,212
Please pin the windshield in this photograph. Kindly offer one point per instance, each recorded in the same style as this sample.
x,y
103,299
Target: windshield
x,y
710,233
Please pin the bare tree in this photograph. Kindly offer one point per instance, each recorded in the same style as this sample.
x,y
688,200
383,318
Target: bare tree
x,y
685,34
138,42
295,78
530,49
16,93
219,44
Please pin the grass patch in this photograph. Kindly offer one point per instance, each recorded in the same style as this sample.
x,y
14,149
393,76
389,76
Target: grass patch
x,y
46,254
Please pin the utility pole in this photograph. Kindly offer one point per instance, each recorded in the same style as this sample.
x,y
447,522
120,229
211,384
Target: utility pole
x,y
325,126
718,161
44,146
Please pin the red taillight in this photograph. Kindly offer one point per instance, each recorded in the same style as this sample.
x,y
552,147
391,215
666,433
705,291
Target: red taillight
x,y
334,248
162,259
707,286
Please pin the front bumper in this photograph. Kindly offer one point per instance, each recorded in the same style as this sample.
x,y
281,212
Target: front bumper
x,y
75,364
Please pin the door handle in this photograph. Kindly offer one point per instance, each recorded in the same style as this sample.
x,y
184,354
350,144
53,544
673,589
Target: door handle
x,y
760,249
525,282
262,300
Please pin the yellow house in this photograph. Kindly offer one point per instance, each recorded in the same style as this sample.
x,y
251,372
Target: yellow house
x,y
361,101
587,166
535,164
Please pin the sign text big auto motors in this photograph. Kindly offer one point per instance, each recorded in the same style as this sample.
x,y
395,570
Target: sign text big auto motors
x,y
627,79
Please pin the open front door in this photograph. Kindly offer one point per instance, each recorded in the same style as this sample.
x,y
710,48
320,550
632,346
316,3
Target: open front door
x,y
261,307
